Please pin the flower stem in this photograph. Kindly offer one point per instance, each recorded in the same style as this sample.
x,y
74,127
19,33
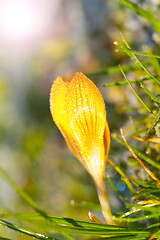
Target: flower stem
x,y
103,199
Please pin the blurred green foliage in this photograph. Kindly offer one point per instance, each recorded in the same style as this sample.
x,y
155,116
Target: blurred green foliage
x,y
33,152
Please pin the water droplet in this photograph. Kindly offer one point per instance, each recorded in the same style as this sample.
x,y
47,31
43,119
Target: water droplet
x,y
115,43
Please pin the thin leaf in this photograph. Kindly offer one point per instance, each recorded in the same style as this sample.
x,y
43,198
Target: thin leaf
x,y
20,192
124,178
139,154
84,227
2,238
142,184
31,203
129,237
153,140
65,222
114,70
136,60
154,61
151,174
23,230
124,49
155,120
134,7
137,219
121,83
150,94
116,189
153,225
145,106
151,193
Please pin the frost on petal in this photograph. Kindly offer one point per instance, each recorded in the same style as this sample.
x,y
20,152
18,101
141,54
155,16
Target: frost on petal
x,y
107,140
87,118
57,101
78,110
58,110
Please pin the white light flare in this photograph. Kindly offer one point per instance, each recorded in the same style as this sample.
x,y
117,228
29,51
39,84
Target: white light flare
x,y
17,19
21,20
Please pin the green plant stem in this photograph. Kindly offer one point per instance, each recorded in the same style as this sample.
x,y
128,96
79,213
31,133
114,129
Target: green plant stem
x,y
103,199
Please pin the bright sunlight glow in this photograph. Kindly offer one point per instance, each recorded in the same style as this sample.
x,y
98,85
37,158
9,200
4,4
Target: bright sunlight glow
x,y
20,19
17,19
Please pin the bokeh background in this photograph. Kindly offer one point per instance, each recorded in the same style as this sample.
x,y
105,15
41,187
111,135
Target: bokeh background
x,y
40,39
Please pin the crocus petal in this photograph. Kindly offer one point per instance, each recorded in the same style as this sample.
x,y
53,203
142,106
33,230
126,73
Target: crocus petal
x,y
58,109
78,110
107,139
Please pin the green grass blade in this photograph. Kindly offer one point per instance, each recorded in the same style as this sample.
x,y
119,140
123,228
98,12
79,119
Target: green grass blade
x,y
149,211
83,227
63,221
153,225
157,116
139,53
157,234
150,191
116,189
129,237
105,232
137,219
150,94
142,184
20,192
2,238
123,176
141,101
143,131
122,83
31,203
136,60
154,60
134,7
23,230
115,70
138,153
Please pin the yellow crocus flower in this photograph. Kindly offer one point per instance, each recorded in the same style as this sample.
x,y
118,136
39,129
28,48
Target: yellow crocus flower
x,y
78,110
